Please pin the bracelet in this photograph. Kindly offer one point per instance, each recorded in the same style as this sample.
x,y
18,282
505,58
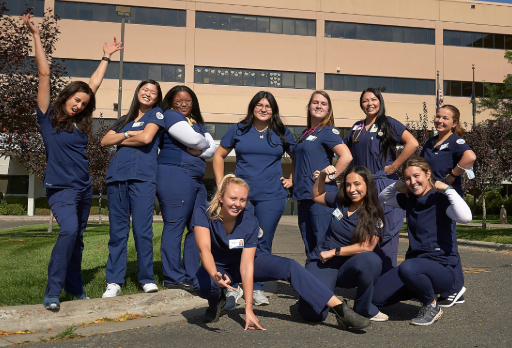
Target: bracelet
x,y
453,175
449,187
246,303
106,59
126,135
458,166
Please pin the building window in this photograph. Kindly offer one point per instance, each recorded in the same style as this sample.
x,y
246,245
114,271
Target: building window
x,y
131,71
480,40
18,7
464,88
107,13
360,31
217,130
258,24
337,82
14,184
260,78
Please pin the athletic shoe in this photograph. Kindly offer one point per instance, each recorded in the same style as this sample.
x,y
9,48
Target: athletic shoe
x,y
380,317
112,290
149,287
348,319
452,299
51,302
427,314
82,297
186,285
232,297
259,299
212,314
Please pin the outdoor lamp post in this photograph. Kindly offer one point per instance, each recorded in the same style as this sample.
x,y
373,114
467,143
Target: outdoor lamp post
x,y
123,11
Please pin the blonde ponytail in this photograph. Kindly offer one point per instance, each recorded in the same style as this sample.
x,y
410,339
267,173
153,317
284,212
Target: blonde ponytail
x,y
215,205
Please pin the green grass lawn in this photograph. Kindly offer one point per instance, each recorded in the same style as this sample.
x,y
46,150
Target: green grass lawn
x,y
491,219
26,252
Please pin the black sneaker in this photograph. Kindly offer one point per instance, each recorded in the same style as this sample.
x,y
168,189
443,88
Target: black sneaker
x,y
427,314
452,299
212,314
348,319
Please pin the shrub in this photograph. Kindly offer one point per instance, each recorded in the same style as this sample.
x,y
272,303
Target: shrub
x,y
23,200
96,210
12,209
469,199
104,202
41,202
493,202
43,211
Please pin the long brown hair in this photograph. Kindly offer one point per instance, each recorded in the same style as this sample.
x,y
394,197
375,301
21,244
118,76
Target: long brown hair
x,y
420,162
329,118
215,205
459,130
82,120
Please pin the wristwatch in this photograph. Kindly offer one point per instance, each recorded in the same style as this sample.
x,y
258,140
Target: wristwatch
x,y
337,251
106,59
126,135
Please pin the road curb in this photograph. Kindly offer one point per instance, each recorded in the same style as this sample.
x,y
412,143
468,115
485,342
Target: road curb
x,y
476,244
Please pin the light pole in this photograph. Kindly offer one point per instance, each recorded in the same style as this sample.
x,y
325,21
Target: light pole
x,y
474,96
123,11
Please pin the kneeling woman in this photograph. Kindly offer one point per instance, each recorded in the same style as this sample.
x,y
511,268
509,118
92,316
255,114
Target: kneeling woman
x,y
227,237
432,256
345,256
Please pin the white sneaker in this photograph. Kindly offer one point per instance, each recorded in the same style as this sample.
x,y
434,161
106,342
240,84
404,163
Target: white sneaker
x,y
150,287
232,297
259,299
380,317
113,290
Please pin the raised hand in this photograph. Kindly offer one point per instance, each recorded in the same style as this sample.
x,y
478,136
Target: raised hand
x,y
440,186
31,27
109,50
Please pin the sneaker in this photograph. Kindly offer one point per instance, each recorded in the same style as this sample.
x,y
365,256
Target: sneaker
x,y
348,319
380,317
232,297
259,299
452,299
149,287
82,297
212,315
112,290
51,302
427,314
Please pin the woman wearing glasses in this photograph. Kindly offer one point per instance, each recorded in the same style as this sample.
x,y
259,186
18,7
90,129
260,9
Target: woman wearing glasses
x,y
260,141
180,190
373,142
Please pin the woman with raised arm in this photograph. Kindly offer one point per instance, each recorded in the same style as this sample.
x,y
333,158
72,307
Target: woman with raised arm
x,y
65,125
227,236
429,268
345,257
449,156
180,189
314,151
373,144
131,186
260,140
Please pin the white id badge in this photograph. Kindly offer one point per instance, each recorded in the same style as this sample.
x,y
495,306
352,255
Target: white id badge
x,y
357,127
138,124
444,146
311,138
373,129
337,214
470,173
236,244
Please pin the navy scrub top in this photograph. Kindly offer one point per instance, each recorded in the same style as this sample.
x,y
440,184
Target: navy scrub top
x,y
258,160
313,152
443,158
173,152
137,162
432,234
366,149
246,229
68,165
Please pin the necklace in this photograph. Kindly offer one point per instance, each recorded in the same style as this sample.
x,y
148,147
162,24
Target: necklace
x,y
354,137
261,131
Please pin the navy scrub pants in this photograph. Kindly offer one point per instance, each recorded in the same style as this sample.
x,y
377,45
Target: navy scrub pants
x,y
71,209
180,193
459,274
314,221
268,267
135,198
268,214
419,278
361,270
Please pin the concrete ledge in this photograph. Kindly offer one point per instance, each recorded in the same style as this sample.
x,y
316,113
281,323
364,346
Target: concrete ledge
x,y
476,244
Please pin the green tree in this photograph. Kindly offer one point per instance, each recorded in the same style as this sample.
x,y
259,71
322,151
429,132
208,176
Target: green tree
x,y
498,98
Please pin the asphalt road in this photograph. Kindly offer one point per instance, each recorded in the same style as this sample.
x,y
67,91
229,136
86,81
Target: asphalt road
x,y
483,321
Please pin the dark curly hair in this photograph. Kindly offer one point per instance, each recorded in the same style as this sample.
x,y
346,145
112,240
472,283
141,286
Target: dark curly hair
x,y
195,113
83,120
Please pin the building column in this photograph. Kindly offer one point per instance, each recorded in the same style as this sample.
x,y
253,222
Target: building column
x,y
31,194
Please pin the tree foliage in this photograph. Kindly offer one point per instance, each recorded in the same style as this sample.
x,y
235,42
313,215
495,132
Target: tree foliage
x,y
499,99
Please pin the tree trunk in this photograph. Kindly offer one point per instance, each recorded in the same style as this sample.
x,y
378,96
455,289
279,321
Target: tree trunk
x,y
484,213
99,209
50,224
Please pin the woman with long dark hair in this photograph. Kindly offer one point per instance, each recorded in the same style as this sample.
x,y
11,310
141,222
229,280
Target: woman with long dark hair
x,y
180,190
65,125
314,151
449,156
373,143
431,209
227,237
345,256
131,186
260,140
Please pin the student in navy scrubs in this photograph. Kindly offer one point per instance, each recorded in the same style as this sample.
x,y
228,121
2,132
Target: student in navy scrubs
x,y
227,237
260,141
373,144
180,190
449,156
345,256
430,262
314,151
131,186
65,125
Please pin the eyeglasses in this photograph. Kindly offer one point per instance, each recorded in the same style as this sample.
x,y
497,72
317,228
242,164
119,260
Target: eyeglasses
x,y
266,107
182,102
147,90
